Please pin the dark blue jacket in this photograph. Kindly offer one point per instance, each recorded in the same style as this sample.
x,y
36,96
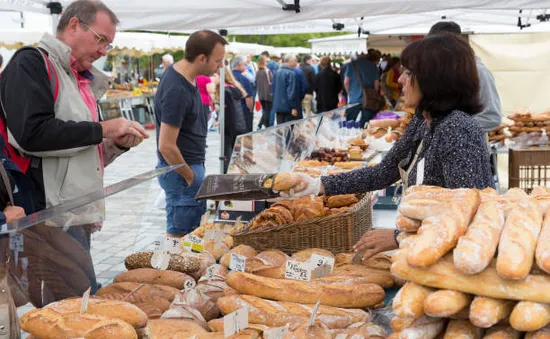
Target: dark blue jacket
x,y
302,83
286,91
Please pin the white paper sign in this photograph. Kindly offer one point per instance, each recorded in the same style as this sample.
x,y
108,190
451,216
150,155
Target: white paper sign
x,y
160,260
193,243
189,285
420,172
17,242
237,263
321,266
235,322
298,270
210,272
172,245
158,245
85,300
314,313
275,333
214,235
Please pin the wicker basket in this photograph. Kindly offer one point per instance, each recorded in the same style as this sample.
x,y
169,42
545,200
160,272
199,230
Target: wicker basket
x,y
336,233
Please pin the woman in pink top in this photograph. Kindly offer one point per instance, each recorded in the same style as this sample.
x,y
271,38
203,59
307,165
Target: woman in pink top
x,y
202,82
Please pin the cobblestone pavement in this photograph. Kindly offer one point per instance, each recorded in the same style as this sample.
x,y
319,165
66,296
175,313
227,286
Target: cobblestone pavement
x,y
133,222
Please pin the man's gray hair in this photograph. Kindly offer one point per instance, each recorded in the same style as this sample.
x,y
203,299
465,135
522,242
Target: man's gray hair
x,y
85,11
289,57
239,60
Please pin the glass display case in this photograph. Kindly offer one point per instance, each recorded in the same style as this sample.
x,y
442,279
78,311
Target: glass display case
x,y
47,256
279,148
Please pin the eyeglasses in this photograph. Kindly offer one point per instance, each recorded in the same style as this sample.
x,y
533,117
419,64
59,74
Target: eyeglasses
x,y
100,39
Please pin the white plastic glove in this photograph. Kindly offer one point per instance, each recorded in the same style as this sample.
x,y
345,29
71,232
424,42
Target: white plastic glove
x,y
306,186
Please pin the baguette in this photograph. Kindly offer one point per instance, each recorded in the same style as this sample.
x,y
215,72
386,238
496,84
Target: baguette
x,y
152,276
445,275
275,314
424,328
348,292
379,277
380,261
486,312
462,329
108,308
444,303
48,324
437,236
542,253
409,300
420,209
405,224
165,292
543,333
502,332
530,316
146,303
518,240
477,247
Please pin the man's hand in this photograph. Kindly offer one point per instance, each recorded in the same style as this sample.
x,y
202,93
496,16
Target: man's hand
x,y
120,127
13,212
187,173
294,112
128,141
374,242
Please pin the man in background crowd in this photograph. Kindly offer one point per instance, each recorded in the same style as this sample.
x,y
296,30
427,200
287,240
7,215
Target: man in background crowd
x,y
239,68
182,130
167,61
490,118
286,91
315,63
271,65
309,74
362,71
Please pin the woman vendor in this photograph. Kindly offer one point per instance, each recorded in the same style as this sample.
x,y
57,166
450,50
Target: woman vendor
x,y
443,145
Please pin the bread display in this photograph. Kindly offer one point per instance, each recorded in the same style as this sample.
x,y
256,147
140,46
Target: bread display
x,y
347,292
302,209
330,156
528,122
179,263
382,278
49,324
487,280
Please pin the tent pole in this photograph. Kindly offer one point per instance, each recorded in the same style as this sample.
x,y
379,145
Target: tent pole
x,y
221,118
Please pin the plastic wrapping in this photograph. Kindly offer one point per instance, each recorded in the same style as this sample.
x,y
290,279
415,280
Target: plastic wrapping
x,y
525,140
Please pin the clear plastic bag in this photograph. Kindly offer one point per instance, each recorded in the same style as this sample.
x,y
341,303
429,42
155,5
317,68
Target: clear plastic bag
x,y
530,139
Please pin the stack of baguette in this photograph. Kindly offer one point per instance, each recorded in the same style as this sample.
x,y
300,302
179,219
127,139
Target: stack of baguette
x,y
476,264
527,122
500,133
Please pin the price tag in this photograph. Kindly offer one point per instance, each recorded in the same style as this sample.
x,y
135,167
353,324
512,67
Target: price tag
x,y
85,300
321,266
213,236
210,272
193,243
237,263
16,242
158,245
160,260
298,270
314,313
235,322
189,285
275,333
172,245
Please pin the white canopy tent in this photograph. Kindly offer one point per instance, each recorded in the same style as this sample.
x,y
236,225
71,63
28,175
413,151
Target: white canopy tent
x,y
343,44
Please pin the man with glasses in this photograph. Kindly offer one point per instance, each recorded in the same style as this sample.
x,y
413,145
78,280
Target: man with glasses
x,y
49,107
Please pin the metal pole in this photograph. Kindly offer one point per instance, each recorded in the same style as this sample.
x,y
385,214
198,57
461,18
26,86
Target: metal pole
x,y
221,117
